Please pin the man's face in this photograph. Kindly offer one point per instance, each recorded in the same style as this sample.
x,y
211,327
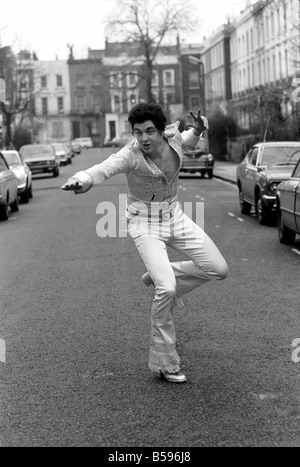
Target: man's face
x,y
148,137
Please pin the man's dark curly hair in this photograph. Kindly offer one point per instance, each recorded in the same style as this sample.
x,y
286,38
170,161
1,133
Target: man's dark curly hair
x,y
144,111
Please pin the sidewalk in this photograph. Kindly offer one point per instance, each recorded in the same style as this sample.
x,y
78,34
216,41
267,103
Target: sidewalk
x,y
225,171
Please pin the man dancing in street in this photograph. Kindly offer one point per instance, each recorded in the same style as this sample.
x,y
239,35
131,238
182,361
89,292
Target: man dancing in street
x,y
152,163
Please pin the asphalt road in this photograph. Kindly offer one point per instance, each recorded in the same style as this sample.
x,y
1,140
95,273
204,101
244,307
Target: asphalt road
x,y
75,322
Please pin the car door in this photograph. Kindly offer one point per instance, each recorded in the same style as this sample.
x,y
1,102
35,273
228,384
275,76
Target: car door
x,y
296,195
288,201
8,179
251,175
5,178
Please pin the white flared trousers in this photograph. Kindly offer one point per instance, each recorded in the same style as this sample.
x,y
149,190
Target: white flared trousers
x,y
173,279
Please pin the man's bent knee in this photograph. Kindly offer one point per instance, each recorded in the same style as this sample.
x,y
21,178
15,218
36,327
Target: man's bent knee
x,y
222,271
166,290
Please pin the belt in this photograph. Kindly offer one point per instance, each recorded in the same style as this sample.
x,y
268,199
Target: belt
x,y
155,211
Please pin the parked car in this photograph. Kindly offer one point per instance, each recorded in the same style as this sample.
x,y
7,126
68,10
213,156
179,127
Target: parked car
x,y
119,141
40,158
70,149
8,190
22,172
76,147
199,160
64,154
259,174
85,143
288,207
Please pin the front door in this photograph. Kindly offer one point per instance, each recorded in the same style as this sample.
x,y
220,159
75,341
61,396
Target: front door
x,y
251,176
112,129
76,129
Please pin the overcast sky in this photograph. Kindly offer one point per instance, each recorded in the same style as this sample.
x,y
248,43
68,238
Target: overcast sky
x,y
46,26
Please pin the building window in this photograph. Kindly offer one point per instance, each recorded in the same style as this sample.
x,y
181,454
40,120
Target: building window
x,y
155,79
80,81
168,77
60,104
169,98
44,106
194,80
155,94
272,25
286,62
94,128
284,18
115,80
44,81
96,103
278,22
267,28
131,79
57,130
280,64
59,80
194,102
80,103
96,80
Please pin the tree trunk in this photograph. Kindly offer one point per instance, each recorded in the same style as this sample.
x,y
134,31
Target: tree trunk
x,y
8,120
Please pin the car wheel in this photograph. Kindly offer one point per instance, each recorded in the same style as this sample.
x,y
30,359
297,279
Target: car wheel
x,y
210,174
30,191
14,207
285,235
25,196
244,206
4,212
262,212
56,172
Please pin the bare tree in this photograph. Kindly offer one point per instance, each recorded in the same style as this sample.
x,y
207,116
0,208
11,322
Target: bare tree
x,y
151,23
16,76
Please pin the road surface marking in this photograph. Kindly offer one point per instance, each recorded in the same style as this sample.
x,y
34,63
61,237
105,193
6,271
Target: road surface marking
x,y
231,214
240,219
296,251
2,350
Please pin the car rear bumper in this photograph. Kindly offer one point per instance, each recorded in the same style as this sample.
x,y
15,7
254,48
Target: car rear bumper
x,y
42,168
270,202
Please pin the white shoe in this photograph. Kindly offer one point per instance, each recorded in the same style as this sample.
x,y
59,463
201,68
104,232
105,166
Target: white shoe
x,y
177,377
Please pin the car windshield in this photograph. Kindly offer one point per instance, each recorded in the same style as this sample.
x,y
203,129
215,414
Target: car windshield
x,y
58,147
12,158
34,151
280,155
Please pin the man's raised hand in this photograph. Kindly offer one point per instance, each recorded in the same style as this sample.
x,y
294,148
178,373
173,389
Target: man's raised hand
x,y
73,184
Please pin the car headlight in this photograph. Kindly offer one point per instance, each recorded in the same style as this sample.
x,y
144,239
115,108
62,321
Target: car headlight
x,y
273,186
210,157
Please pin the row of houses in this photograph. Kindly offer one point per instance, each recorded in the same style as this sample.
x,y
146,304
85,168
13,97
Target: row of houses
x,y
92,96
